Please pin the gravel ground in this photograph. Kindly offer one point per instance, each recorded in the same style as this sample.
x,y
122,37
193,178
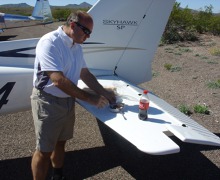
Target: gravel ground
x,y
96,152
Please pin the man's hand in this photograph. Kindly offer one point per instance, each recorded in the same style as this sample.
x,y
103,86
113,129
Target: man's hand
x,y
91,81
98,101
110,95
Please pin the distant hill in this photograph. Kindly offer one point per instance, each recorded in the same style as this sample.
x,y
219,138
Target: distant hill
x,y
82,5
85,5
20,5
24,5
193,11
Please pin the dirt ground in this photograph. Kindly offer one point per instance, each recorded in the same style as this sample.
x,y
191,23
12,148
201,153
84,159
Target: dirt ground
x,y
193,68
96,152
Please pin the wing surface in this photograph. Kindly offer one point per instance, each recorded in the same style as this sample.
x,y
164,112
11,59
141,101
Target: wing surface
x,y
149,136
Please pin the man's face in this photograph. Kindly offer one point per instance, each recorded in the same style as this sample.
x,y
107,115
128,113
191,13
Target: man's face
x,y
82,31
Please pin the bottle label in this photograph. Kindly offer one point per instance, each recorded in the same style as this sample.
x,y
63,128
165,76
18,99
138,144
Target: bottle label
x,y
142,114
143,105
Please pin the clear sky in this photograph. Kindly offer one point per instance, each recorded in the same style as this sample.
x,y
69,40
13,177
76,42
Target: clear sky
x,y
197,4
193,4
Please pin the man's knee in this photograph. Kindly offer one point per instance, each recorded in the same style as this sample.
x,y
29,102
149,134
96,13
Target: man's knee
x,y
42,155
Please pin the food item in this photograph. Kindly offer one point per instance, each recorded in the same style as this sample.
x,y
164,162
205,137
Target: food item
x,y
116,107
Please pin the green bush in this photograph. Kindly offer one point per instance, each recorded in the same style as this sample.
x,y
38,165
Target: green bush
x,y
184,24
61,13
202,109
168,66
175,69
202,20
214,84
215,51
215,25
185,109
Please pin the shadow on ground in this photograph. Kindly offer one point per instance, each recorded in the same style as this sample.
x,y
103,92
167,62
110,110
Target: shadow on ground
x,y
190,163
5,38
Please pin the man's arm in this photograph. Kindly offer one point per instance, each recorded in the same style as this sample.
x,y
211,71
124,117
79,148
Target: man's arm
x,y
90,80
67,86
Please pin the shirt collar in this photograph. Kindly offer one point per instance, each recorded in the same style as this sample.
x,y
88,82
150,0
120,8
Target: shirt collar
x,y
66,39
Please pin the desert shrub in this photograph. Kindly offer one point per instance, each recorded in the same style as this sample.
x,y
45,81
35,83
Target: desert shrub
x,y
204,57
202,20
175,69
61,13
215,51
189,35
214,84
168,66
18,10
155,74
182,18
184,109
185,50
171,35
201,109
214,26
184,24
172,68
179,26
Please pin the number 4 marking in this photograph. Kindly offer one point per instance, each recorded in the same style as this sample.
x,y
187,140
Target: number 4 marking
x,y
6,89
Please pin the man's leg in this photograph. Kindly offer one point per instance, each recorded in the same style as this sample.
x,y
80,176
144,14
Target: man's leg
x,y
57,158
40,164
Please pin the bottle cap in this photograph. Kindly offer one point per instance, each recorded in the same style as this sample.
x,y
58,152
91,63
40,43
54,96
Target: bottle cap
x,y
145,91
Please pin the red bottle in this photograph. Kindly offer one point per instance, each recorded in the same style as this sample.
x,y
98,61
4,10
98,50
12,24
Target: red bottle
x,y
143,106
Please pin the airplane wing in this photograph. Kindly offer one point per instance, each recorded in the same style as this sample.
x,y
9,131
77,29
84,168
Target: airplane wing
x,y
151,136
14,17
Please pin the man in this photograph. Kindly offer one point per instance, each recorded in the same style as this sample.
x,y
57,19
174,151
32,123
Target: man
x,y
59,64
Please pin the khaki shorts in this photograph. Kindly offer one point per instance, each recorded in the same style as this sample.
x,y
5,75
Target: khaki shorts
x,y
54,119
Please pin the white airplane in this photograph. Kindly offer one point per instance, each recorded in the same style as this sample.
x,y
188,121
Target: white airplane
x,y
41,12
119,53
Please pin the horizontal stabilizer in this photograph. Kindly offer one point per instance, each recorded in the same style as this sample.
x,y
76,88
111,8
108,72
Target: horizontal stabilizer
x,y
150,136
187,130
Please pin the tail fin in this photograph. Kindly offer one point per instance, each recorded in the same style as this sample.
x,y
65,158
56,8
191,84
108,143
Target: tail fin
x,y
42,9
126,35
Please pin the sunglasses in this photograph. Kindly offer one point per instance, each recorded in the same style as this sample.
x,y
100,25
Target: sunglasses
x,y
84,29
